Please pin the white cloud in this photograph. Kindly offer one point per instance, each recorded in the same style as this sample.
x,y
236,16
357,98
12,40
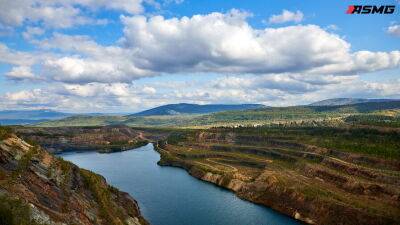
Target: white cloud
x,y
226,43
96,89
75,69
149,90
360,62
394,30
21,73
275,90
13,57
216,42
287,83
128,6
50,13
287,16
93,97
59,13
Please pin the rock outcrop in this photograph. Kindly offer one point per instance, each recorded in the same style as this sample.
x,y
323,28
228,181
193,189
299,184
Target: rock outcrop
x,y
103,139
39,188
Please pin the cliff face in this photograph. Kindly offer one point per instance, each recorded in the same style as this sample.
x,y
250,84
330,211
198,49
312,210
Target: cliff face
x,y
102,139
313,184
39,188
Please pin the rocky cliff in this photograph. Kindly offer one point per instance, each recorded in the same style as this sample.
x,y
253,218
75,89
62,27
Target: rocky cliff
x,y
310,183
102,139
39,188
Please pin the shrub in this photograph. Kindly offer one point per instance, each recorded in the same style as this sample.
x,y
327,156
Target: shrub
x,y
14,212
5,132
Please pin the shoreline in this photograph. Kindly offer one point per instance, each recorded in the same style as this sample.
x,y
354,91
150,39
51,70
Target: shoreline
x,y
222,182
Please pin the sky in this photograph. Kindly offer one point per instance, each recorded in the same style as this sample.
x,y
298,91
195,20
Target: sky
x,y
124,56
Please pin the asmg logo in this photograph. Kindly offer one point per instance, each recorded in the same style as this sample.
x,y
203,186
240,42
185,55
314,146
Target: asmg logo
x,y
370,9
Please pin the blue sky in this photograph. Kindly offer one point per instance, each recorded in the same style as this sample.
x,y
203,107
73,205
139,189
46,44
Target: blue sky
x,y
126,55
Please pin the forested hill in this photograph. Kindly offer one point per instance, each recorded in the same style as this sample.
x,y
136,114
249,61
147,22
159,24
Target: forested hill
x,y
385,113
348,101
185,108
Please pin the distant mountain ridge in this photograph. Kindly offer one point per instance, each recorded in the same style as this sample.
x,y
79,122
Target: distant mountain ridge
x,y
258,116
348,101
186,108
12,117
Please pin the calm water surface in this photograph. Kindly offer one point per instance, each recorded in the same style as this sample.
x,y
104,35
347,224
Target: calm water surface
x,y
170,196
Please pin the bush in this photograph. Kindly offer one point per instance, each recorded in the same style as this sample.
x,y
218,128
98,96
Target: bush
x,y
5,132
14,212
175,138
103,196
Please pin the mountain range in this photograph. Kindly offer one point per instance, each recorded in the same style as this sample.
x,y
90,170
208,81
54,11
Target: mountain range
x,y
13,117
171,112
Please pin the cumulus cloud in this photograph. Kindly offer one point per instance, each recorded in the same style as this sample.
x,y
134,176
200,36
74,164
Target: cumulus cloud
x,y
96,89
13,57
93,97
274,90
217,42
87,61
283,90
394,30
21,73
287,16
226,43
59,13
288,83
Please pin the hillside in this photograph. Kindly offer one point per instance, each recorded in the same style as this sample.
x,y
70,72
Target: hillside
x,y
297,114
39,188
388,112
184,108
348,101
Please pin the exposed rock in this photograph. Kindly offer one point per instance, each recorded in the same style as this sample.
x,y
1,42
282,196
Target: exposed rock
x,y
56,192
103,139
312,184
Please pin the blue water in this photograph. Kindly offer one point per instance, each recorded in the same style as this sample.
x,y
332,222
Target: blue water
x,y
170,196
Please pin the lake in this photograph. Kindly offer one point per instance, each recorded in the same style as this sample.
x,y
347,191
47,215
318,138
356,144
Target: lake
x,y
170,196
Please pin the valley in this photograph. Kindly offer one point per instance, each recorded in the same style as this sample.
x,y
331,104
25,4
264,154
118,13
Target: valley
x,y
184,112
335,164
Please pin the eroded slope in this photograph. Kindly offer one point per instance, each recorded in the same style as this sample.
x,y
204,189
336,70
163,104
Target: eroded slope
x,y
298,173
38,188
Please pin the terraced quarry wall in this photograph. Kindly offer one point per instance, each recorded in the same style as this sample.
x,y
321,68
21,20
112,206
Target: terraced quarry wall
x,y
103,139
297,174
